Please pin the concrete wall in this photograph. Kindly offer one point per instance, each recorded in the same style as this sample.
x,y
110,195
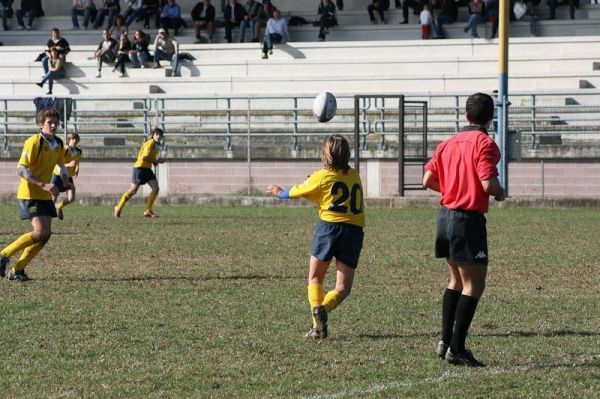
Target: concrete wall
x,y
380,177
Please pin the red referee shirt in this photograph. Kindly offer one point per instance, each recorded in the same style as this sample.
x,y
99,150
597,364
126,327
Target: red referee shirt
x,y
460,163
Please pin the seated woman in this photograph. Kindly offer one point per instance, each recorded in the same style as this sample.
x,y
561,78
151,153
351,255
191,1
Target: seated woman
x,y
477,16
106,51
122,54
118,28
139,54
327,17
56,70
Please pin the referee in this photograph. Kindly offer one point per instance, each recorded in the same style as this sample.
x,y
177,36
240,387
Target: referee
x,y
463,170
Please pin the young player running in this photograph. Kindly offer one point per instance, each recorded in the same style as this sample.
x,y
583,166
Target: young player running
x,y
463,169
337,190
41,153
142,174
72,157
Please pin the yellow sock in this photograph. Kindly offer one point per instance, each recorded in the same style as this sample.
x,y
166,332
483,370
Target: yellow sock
x,y
315,297
20,243
124,198
60,205
150,201
27,255
332,300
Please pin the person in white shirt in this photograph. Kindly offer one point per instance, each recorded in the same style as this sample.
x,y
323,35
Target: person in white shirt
x,y
426,21
106,51
276,31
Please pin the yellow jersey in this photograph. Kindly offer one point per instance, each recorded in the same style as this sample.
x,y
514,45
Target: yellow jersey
x,y
40,156
70,155
338,194
149,149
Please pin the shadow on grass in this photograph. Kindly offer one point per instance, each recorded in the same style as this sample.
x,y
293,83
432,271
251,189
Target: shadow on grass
x,y
249,277
399,336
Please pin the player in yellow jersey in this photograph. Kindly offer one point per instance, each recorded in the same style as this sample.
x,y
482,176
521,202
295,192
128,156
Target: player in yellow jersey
x,y
337,190
41,153
142,173
72,157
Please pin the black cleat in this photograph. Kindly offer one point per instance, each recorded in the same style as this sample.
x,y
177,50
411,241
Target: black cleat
x,y
18,276
320,316
60,214
441,350
464,358
3,263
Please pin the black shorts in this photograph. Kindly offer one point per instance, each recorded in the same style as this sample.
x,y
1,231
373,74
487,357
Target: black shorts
x,y
342,240
142,176
58,182
461,236
28,209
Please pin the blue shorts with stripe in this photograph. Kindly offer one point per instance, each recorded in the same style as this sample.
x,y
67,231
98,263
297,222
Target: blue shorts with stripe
x,y
28,209
342,240
142,176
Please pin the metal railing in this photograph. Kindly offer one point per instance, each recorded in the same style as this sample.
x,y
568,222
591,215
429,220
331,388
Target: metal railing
x,y
570,114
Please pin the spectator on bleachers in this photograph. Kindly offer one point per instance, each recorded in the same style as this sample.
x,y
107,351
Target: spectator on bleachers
x,y
31,8
416,5
275,33
112,8
380,6
262,17
55,70
139,54
426,20
170,17
573,4
135,11
326,13
82,8
493,14
448,15
58,43
151,7
166,48
106,51
123,49
252,8
6,12
118,28
203,15
477,16
234,14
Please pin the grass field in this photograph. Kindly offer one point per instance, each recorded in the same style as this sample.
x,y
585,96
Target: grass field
x,y
211,302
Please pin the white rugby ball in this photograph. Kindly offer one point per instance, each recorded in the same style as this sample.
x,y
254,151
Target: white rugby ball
x,y
324,106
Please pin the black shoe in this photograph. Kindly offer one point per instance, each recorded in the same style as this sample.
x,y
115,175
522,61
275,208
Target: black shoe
x,y
464,358
18,276
466,29
254,40
320,316
60,214
441,349
3,263
39,84
404,21
49,93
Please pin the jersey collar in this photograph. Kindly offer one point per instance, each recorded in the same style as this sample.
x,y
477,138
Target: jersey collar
x,y
470,128
53,144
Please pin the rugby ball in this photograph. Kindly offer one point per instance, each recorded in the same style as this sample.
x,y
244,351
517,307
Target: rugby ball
x,y
324,106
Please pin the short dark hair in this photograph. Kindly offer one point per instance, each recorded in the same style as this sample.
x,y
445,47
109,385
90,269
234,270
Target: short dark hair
x,y
55,30
157,130
47,113
480,108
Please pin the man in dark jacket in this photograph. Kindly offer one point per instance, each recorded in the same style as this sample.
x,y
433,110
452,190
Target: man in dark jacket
x,y
234,14
327,17
203,15
448,15
33,9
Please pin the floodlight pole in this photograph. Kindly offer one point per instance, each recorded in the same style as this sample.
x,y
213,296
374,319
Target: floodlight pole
x,y
502,103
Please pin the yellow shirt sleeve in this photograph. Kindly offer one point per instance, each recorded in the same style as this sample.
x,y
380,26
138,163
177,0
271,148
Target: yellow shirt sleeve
x,y
30,150
309,189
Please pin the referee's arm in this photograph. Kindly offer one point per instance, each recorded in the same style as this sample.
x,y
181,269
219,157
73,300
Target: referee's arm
x,y
431,181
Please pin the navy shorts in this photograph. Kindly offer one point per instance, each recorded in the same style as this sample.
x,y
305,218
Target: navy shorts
x,y
58,182
142,176
342,240
461,236
29,209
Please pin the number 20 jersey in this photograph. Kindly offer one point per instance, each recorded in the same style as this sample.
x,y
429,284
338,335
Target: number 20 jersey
x,y
338,194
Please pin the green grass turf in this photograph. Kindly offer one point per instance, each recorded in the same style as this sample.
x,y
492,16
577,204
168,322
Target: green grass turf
x,y
211,302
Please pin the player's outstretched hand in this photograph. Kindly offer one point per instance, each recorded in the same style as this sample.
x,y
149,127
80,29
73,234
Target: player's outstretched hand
x,y
274,190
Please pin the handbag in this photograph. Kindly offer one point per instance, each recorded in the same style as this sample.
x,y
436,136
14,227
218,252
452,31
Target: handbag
x,y
519,9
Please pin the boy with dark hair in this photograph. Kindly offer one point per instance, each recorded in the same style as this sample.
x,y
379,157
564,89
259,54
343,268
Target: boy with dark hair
x,y
143,174
41,153
463,169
